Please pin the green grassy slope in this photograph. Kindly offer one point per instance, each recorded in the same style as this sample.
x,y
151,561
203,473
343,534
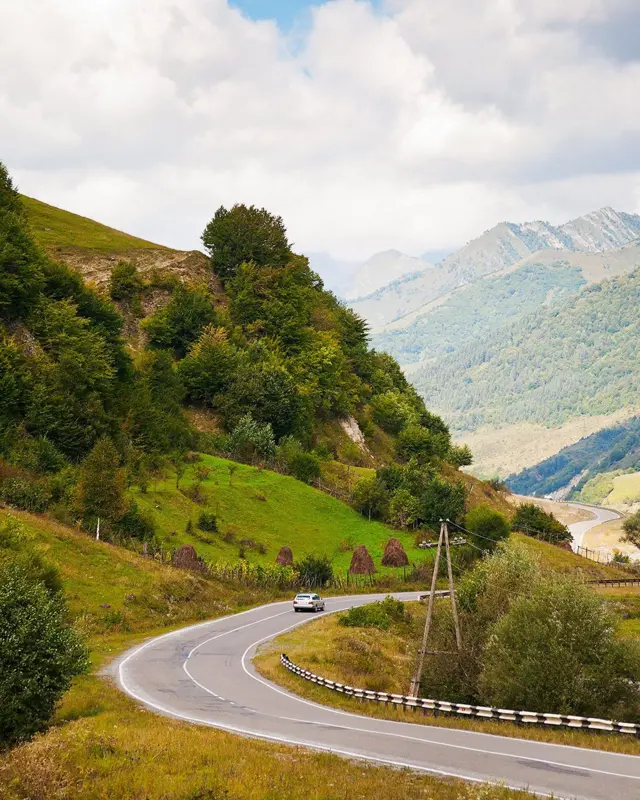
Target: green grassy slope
x,y
55,228
271,509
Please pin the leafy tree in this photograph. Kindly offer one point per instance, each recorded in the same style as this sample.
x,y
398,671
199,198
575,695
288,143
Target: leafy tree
x,y
101,486
39,652
404,509
460,456
534,521
488,526
393,411
315,570
242,235
420,443
631,527
556,650
210,365
441,500
181,321
370,498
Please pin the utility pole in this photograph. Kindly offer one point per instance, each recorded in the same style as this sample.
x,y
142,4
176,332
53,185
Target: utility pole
x,y
443,539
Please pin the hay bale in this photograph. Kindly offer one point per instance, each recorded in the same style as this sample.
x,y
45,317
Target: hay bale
x,y
187,558
394,554
285,557
361,562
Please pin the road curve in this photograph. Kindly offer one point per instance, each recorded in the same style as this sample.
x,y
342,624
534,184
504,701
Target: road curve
x,y
600,515
203,674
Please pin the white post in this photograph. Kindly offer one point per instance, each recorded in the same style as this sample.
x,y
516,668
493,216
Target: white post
x,y
98,530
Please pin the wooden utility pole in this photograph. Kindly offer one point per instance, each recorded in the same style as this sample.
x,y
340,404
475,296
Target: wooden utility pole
x,y
417,677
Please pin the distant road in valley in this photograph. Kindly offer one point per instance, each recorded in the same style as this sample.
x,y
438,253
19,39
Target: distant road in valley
x,y
203,674
599,515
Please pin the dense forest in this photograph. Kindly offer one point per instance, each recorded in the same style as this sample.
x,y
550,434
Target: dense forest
x,y
572,360
615,448
475,311
272,360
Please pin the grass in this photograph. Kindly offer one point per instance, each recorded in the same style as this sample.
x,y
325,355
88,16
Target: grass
x,y
56,229
383,661
104,747
271,509
110,589
561,560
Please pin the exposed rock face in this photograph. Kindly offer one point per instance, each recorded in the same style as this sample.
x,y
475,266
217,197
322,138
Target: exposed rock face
x,y
394,554
361,562
285,557
350,426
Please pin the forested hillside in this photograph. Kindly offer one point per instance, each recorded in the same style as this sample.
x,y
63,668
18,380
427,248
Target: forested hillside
x,y
576,359
475,311
102,389
609,450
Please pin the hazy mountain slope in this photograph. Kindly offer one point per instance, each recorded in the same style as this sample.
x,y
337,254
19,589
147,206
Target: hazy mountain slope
x,y
616,448
497,249
382,269
482,308
568,361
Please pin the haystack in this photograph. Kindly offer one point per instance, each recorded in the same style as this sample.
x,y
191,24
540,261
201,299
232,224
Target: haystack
x,y
361,562
187,558
285,557
394,554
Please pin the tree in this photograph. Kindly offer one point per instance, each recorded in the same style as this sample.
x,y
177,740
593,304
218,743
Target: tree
x,y
210,365
557,650
422,444
251,438
631,527
440,499
392,411
488,527
404,509
460,456
39,652
101,486
533,521
370,498
243,235
181,321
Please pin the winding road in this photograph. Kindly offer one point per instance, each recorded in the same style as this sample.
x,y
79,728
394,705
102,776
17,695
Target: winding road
x,y
203,674
600,515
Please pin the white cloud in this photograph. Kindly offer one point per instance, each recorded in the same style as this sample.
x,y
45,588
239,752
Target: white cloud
x,y
414,127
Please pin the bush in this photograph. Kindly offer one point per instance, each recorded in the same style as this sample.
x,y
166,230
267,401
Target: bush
x,y
125,282
315,570
533,521
179,324
383,614
39,652
460,456
251,438
631,527
136,523
26,493
207,521
305,467
557,651
489,527
422,444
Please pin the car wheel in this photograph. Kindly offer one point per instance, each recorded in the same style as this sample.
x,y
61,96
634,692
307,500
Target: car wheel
x,y
296,610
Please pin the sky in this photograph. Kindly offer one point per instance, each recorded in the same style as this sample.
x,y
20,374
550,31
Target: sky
x,y
406,124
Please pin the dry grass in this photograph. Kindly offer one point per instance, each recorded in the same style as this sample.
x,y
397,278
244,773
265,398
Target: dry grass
x,y
105,747
383,661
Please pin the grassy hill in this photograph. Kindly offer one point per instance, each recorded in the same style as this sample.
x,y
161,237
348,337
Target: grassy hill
x,y
270,509
56,229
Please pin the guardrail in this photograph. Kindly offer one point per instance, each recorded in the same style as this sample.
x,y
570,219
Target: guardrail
x,y
616,582
464,710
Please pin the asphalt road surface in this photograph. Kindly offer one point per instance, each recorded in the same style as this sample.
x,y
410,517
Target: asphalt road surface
x,y
203,674
600,515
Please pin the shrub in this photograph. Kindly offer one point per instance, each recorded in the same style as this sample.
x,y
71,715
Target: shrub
x,y
26,493
250,438
460,456
557,651
181,321
207,521
383,614
305,467
315,570
136,523
533,521
489,527
631,527
422,444
39,652
125,282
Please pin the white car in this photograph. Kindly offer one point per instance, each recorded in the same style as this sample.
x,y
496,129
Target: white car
x,y
308,602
